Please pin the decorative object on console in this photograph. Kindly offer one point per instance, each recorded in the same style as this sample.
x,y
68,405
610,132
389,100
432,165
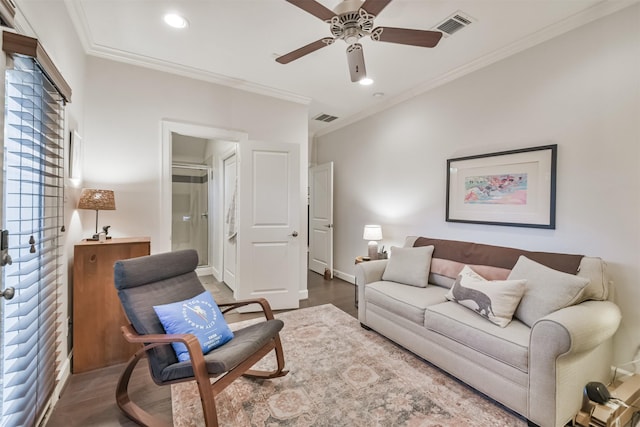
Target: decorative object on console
x,y
515,188
372,233
98,200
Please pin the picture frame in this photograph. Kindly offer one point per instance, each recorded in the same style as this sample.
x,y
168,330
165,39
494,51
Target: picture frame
x,y
512,188
75,156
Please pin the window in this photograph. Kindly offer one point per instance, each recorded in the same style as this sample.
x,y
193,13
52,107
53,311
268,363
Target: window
x,y
33,214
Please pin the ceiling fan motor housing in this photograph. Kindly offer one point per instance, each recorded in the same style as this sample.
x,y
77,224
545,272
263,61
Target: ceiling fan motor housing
x,y
347,6
351,25
355,59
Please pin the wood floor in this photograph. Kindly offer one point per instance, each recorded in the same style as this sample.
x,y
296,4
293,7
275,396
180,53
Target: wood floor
x,y
89,398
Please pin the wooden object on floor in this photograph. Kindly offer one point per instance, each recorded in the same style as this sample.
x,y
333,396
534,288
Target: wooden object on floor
x,y
97,313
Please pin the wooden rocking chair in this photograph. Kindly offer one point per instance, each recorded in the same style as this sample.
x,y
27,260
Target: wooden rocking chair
x,y
170,277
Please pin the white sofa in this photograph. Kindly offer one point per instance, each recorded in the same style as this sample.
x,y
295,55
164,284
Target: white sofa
x,y
538,369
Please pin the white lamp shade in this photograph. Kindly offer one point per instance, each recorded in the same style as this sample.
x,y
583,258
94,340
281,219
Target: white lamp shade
x,y
372,232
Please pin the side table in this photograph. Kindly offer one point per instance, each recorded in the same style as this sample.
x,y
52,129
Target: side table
x,y
359,259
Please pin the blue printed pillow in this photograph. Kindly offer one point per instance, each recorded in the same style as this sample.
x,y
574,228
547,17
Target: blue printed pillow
x,y
199,316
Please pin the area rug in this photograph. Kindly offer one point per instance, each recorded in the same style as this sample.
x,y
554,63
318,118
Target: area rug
x,y
343,375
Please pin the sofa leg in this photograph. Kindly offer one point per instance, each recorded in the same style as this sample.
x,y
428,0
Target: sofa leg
x,y
365,327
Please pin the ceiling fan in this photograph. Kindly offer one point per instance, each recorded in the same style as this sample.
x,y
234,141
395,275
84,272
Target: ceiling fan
x,y
350,21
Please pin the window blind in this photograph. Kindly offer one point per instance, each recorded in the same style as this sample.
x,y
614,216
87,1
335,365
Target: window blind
x,y
33,215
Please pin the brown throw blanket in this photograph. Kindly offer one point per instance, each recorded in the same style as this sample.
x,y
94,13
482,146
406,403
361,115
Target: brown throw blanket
x,y
497,256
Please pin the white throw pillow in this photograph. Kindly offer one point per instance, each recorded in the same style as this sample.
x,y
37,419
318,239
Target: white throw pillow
x,y
548,290
495,300
409,266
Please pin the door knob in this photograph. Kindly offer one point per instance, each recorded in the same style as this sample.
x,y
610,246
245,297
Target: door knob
x,y
8,293
294,234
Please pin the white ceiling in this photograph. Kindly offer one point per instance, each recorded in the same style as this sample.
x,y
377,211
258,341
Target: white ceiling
x,y
235,42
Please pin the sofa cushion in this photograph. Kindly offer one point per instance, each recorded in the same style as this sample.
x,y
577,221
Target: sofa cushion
x,y
548,290
409,266
594,269
495,300
509,345
409,302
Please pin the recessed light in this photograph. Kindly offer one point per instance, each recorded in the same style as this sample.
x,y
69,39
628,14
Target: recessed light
x,y
378,94
176,21
366,81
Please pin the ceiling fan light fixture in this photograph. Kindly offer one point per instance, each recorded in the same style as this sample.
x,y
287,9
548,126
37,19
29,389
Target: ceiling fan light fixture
x,y
176,21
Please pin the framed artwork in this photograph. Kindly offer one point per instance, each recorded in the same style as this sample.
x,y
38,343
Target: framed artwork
x,y
75,155
515,188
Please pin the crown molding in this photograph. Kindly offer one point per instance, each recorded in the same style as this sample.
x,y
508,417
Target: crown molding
x,y
78,17
598,11
194,73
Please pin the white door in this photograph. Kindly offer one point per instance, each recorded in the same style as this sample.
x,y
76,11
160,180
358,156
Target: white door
x,y
269,229
230,222
321,218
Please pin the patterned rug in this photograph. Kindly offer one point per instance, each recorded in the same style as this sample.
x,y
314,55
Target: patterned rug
x,y
343,375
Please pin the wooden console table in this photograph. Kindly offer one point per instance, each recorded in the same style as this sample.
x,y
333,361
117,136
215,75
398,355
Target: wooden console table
x,y
97,313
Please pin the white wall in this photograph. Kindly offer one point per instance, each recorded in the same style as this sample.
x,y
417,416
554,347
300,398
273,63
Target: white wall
x,y
580,91
125,106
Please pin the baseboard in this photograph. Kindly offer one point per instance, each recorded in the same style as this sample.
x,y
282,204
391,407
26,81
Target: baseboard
x,y
61,382
344,276
205,271
303,294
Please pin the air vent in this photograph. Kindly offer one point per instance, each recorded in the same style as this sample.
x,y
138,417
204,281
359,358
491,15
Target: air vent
x,y
325,118
454,23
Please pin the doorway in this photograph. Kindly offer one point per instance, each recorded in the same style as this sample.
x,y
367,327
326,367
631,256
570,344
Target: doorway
x,y
230,196
196,148
190,210
321,219
268,216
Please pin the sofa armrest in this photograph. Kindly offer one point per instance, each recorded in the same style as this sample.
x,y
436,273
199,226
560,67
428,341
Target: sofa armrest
x,y
585,325
367,272
567,349
370,271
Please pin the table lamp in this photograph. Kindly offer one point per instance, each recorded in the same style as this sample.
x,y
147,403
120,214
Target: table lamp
x,y
372,233
98,200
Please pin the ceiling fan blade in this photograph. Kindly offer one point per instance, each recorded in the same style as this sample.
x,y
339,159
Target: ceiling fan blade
x,y
314,8
374,7
304,50
355,59
422,38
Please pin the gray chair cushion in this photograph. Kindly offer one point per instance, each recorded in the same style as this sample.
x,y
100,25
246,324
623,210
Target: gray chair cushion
x,y
222,359
153,268
154,280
